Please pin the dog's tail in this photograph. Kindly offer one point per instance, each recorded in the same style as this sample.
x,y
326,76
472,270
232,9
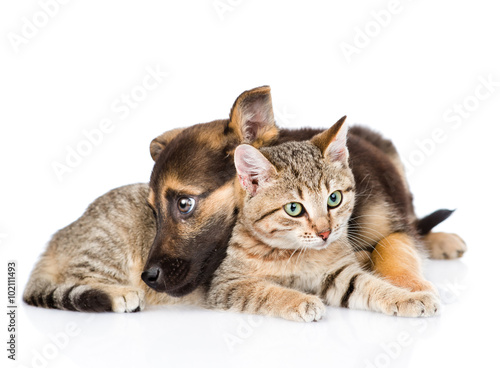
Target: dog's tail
x,y
427,223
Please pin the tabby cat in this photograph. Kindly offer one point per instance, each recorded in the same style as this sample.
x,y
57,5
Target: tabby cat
x,y
291,251
95,264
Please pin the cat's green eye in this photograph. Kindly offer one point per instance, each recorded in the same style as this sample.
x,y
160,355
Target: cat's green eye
x,y
294,209
335,199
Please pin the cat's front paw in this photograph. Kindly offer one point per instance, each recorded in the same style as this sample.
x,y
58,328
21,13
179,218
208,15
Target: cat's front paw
x,y
416,304
127,301
307,309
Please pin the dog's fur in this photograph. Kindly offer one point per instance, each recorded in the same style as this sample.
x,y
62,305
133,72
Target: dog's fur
x,y
95,264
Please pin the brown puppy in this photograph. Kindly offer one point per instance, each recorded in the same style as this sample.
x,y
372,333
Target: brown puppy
x,y
193,193
95,264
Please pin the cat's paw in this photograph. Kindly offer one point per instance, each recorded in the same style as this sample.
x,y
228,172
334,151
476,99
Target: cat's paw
x,y
307,309
127,300
417,304
445,245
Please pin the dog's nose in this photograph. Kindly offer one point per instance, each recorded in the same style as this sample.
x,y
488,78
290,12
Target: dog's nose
x,y
151,277
325,234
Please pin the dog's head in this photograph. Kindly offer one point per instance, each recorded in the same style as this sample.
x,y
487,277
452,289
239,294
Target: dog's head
x,y
194,196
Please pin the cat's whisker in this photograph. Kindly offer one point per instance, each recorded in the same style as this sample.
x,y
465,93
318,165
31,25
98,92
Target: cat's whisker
x,y
367,215
354,236
349,244
289,258
302,248
369,231
366,240
365,226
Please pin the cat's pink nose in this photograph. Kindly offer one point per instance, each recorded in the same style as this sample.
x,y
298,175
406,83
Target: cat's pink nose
x,y
325,234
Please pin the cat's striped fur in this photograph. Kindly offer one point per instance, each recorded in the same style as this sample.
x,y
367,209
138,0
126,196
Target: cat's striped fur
x,y
287,266
95,263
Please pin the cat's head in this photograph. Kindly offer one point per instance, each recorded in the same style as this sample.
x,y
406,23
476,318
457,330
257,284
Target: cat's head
x,y
299,194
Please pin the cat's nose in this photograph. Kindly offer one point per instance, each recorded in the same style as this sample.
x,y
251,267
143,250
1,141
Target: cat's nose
x,y
325,234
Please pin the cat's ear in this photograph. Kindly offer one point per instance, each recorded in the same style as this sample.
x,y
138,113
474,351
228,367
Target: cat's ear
x,y
254,170
159,143
252,117
333,142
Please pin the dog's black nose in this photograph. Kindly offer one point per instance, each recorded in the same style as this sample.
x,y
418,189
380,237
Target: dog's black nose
x,y
151,276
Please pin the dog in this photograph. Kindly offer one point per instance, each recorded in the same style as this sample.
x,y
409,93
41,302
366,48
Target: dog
x,y
144,245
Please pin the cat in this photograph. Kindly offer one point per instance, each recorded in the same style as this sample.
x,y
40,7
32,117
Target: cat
x,y
95,264
291,250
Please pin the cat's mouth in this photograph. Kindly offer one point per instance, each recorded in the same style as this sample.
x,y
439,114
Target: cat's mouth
x,y
335,235
323,244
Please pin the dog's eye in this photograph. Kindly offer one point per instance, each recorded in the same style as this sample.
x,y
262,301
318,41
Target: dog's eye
x,y
186,204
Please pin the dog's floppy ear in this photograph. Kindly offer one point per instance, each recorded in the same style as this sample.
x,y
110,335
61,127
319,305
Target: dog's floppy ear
x,y
252,117
159,143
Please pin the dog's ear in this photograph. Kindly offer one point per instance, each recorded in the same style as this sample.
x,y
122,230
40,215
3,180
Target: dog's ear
x,y
252,117
333,142
159,143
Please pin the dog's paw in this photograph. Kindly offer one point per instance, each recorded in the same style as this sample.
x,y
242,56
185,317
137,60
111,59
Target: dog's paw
x,y
445,245
418,304
307,309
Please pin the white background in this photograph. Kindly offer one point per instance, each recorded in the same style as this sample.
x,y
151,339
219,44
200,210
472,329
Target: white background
x,y
405,80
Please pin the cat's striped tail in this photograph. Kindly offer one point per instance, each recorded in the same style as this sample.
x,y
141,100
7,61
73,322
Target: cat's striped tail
x,y
427,223
42,292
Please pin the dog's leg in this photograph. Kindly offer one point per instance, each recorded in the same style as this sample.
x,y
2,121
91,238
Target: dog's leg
x,y
444,245
396,259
